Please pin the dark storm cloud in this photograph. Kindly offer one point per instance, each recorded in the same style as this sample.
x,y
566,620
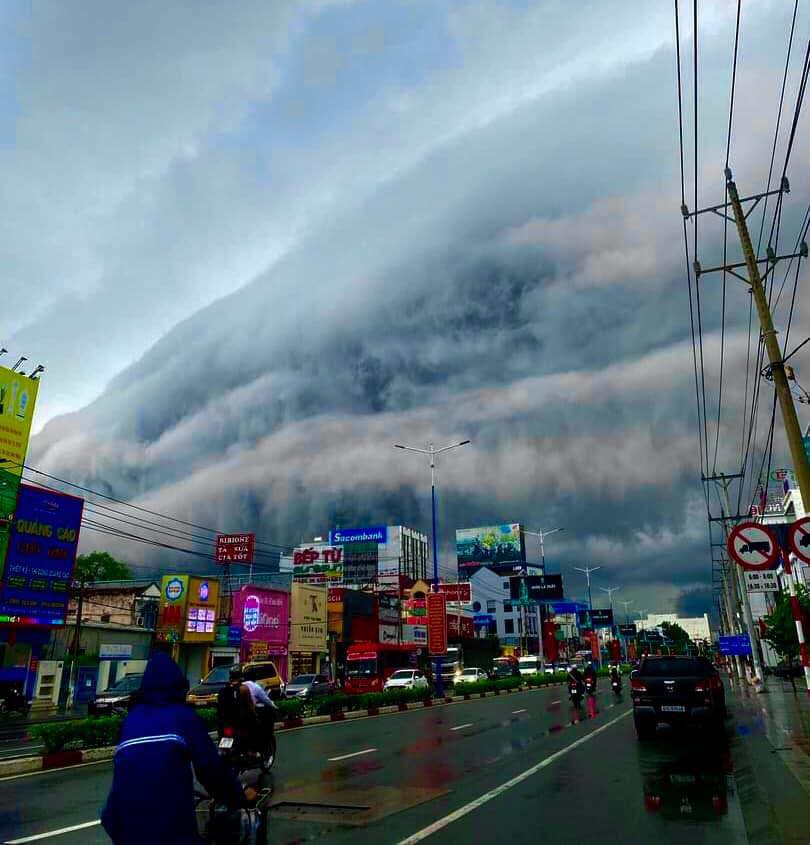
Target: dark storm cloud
x,y
520,284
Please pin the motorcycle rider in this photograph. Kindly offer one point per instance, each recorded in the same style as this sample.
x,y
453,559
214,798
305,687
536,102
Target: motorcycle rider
x,y
264,706
152,794
576,679
615,675
236,707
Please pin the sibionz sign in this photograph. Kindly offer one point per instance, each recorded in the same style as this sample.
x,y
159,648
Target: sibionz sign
x,y
235,548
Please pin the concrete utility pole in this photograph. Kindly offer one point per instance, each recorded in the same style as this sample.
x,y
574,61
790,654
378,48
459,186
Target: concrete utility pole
x,y
77,632
777,367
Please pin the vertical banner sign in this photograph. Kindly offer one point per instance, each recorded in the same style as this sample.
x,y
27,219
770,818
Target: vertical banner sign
x,y
235,548
437,623
174,591
308,618
18,396
40,557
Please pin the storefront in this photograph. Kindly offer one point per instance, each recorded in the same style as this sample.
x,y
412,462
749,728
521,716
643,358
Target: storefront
x,y
263,614
308,629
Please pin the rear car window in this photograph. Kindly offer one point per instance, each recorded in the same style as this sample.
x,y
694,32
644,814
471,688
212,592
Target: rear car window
x,y
674,666
256,673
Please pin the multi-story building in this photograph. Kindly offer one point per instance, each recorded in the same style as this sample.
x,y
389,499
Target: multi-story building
x,y
132,603
495,613
697,627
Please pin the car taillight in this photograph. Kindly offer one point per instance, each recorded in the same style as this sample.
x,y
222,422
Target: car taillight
x,y
707,684
227,731
652,802
637,686
719,804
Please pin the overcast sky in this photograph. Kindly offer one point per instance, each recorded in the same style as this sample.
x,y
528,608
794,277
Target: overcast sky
x,y
254,246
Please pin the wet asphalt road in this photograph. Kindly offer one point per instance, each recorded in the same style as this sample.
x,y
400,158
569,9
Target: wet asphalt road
x,y
513,768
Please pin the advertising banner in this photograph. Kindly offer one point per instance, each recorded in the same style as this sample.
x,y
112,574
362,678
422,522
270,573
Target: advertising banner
x,y
173,603
601,616
40,557
459,627
201,609
235,548
416,634
538,587
308,618
457,593
18,396
263,614
319,563
360,562
490,544
437,623
628,630
388,609
387,633
370,534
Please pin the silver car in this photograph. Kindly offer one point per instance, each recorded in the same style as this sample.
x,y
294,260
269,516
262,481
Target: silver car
x,y
308,686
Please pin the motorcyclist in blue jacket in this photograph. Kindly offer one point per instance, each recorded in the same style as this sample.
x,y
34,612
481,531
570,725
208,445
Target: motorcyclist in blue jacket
x,y
152,795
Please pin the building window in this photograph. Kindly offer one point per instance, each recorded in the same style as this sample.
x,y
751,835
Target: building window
x,y
105,617
509,626
490,605
506,585
507,606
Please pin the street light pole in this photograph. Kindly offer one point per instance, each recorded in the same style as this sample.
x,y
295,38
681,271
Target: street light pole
x,y
431,452
587,570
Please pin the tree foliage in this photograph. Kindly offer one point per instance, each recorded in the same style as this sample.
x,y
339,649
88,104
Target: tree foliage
x,y
101,566
780,628
678,637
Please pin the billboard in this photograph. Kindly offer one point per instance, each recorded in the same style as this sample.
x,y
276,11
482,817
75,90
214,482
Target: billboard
x,y
18,396
235,548
188,609
308,618
263,614
601,616
319,563
628,630
490,544
538,587
40,557
370,534
437,623
457,593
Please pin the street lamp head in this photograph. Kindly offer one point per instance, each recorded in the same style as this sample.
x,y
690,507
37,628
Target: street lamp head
x,y
464,442
398,446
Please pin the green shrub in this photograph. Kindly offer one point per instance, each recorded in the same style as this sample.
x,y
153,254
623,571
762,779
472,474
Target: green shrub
x,y
79,733
290,708
332,704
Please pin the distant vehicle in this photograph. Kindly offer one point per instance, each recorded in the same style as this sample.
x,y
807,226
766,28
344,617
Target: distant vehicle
x,y
263,672
505,667
556,668
370,665
470,675
530,665
117,698
762,546
452,663
676,690
406,679
308,686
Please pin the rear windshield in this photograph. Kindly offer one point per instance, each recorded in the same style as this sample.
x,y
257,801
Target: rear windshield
x,y
674,666
261,672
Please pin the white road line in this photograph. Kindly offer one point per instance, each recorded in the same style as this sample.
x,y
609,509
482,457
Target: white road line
x,y
515,712
353,754
50,833
460,727
558,701
440,824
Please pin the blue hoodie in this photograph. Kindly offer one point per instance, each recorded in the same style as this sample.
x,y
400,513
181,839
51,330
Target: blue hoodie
x,y
152,794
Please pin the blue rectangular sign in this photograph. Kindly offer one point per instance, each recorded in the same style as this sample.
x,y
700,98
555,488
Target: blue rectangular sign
x,y
737,644
371,534
566,606
40,558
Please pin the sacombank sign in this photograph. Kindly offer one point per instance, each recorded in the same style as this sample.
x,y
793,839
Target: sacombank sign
x,y
371,534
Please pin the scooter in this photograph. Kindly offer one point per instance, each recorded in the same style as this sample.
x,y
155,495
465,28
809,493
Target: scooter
x,y
575,691
218,824
244,754
590,685
616,685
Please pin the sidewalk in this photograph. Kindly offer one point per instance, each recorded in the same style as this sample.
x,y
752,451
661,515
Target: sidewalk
x,y
771,752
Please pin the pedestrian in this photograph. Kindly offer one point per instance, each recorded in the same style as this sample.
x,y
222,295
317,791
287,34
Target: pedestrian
x,y
152,794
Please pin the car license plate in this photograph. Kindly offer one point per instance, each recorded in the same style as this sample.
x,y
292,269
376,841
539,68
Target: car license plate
x,y
226,742
673,708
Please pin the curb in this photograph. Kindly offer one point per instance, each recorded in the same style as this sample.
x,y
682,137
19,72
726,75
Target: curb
x,y
78,757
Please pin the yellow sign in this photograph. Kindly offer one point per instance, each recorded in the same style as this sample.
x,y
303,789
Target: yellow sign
x,y
308,618
18,396
201,611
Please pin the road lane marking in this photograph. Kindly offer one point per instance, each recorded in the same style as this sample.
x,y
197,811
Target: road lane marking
x,y
442,823
460,727
353,754
515,712
50,833
558,701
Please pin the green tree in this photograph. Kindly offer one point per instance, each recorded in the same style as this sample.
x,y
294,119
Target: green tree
x,y
101,566
780,629
678,638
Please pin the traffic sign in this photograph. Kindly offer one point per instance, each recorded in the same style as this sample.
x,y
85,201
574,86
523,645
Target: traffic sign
x,y
762,582
753,546
628,630
738,644
799,538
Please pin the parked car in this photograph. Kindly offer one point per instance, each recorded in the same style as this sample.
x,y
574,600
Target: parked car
x,y
117,698
676,690
504,667
264,673
308,686
470,675
406,679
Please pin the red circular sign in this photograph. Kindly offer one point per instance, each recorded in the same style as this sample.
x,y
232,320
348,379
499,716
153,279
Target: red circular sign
x,y
799,538
753,546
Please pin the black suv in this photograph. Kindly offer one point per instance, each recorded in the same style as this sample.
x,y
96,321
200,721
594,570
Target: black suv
x,y
676,690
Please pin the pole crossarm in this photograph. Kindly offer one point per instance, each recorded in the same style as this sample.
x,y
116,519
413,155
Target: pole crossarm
x,y
771,258
754,199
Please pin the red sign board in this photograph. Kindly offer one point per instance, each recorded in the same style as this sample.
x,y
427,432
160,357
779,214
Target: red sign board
x,y
235,548
457,592
335,595
459,627
753,546
437,623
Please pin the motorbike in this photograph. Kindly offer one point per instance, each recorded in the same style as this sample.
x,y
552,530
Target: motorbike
x,y
616,685
12,699
219,824
249,752
590,685
575,691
